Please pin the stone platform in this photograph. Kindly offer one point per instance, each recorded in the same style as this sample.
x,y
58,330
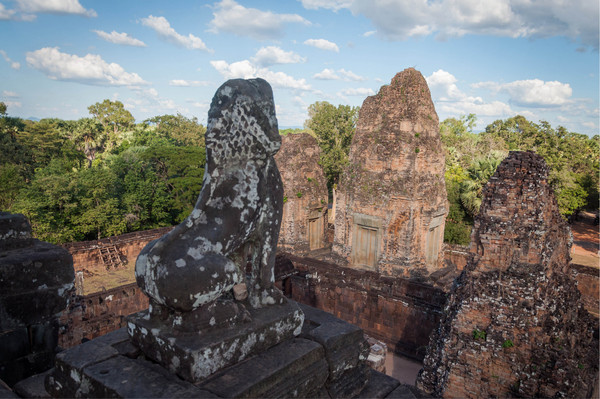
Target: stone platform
x,y
196,355
327,359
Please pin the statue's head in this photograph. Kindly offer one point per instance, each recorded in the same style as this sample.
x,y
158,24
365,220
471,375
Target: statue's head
x,y
242,122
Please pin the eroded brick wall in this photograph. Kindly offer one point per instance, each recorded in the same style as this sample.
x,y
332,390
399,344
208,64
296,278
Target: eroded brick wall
x,y
400,312
93,315
86,254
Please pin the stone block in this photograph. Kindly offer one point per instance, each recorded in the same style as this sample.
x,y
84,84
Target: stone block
x,y
15,231
14,343
293,368
30,307
122,377
346,350
379,386
196,355
65,380
14,370
402,392
33,387
6,392
37,267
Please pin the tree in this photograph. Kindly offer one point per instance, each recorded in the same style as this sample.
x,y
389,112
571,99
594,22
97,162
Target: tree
x,y
112,115
479,173
45,142
87,134
2,108
181,130
333,128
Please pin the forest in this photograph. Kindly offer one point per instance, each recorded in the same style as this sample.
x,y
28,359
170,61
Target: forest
x,y
106,174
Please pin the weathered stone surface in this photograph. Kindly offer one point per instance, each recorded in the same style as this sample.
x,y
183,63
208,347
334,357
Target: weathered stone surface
x,y
36,279
6,392
402,392
33,387
399,311
379,386
238,211
295,368
15,231
305,194
391,204
197,354
346,351
514,323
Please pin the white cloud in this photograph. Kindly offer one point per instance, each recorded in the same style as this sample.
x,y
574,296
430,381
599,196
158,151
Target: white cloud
x,y
164,30
369,33
13,104
450,99
55,7
532,92
229,16
322,44
444,83
330,74
272,55
537,93
149,101
188,83
6,14
326,74
401,19
334,5
120,38
13,64
90,69
349,75
246,70
360,91
11,94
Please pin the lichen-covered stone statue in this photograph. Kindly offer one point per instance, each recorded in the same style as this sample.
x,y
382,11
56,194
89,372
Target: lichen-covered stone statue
x,y
237,216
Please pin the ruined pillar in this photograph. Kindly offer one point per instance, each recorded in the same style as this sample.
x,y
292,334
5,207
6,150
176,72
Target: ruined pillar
x,y
305,194
36,279
391,203
515,324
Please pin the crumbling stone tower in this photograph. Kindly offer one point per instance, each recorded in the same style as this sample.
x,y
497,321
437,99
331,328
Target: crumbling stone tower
x,y
305,194
391,204
514,323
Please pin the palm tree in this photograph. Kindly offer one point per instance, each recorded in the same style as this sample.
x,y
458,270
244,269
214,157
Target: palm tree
x,y
479,173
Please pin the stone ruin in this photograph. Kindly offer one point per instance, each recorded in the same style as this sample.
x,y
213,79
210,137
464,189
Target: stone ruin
x,y
305,194
514,324
391,203
36,280
217,326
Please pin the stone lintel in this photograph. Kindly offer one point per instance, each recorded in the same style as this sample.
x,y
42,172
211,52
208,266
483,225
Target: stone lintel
x,y
196,355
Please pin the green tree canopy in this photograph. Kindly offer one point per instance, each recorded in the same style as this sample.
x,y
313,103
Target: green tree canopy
x,y
181,130
333,128
114,118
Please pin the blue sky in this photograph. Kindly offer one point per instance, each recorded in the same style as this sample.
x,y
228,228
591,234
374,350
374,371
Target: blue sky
x,y
496,59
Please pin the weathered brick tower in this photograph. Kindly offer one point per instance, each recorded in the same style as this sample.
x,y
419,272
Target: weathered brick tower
x,y
391,203
305,194
515,323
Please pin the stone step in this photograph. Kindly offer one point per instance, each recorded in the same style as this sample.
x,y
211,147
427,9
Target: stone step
x,y
297,366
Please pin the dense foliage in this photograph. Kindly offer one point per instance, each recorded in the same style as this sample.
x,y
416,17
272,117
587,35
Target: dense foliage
x,y
100,176
333,128
471,159
105,175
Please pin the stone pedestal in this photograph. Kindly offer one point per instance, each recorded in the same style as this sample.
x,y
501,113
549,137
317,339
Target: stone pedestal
x,y
327,359
194,355
35,281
